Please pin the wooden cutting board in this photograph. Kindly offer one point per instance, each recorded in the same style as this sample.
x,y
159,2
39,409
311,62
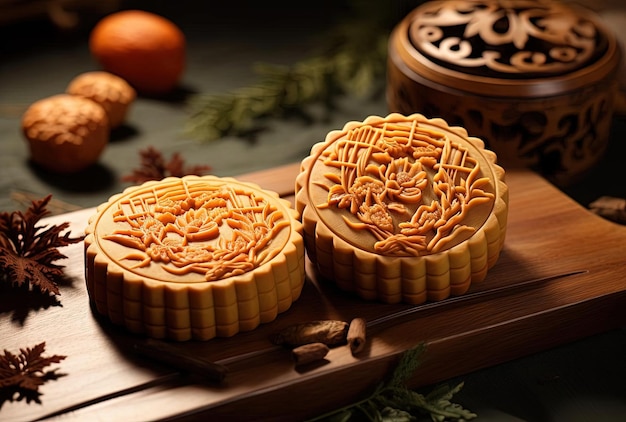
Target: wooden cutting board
x,y
560,277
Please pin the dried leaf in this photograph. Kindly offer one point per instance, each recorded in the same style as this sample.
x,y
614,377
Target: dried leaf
x,y
28,251
154,167
22,374
55,206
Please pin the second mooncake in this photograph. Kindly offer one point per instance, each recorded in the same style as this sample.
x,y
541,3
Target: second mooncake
x,y
402,208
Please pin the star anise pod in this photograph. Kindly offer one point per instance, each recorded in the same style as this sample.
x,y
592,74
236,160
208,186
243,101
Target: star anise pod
x,y
22,374
154,167
28,251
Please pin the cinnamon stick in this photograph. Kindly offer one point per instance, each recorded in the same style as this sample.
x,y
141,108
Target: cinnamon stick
x,y
309,353
356,335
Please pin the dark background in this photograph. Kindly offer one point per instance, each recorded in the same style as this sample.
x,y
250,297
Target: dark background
x,y
578,382
225,41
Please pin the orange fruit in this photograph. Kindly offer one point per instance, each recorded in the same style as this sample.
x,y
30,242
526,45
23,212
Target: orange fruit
x,y
147,50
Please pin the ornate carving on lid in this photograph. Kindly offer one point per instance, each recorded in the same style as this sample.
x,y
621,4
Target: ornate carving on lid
x,y
506,39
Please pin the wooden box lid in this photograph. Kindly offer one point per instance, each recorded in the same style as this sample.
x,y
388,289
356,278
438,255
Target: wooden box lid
x,y
524,48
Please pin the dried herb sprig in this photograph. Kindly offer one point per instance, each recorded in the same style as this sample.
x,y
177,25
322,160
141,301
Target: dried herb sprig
x,y
393,400
22,374
153,166
352,62
28,251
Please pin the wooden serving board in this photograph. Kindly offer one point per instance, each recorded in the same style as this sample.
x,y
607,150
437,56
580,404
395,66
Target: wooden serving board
x,y
560,277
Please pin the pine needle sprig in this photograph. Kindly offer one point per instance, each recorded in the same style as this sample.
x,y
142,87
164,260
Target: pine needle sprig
x,y
353,62
280,89
393,401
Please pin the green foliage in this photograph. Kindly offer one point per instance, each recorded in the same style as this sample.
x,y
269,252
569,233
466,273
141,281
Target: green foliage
x,y
393,401
352,62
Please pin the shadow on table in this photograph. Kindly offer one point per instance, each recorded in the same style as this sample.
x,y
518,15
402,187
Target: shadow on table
x,y
94,178
20,301
123,133
179,95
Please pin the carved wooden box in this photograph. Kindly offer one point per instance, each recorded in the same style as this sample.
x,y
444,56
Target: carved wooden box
x,y
534,79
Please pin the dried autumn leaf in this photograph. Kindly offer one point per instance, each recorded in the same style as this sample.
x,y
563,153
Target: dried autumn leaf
x,y
154,167
28,251
24,373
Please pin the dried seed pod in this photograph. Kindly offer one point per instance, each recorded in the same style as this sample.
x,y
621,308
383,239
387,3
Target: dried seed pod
x,y
356,335
309,353
329,332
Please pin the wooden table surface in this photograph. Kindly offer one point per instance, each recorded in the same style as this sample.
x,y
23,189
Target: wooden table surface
x,y
560,277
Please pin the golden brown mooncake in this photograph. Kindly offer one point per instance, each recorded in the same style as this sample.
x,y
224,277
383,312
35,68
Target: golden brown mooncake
x,y
402,208
194,257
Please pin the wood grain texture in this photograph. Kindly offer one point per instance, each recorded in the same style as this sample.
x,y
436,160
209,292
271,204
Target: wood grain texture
x,y
549,235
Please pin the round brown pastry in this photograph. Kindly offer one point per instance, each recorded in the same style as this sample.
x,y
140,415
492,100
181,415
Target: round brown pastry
x,y
65,133
196,257
110,91
402,208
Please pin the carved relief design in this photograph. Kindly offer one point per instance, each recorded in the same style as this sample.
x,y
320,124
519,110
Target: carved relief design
x,y
411,187
505,39
216,231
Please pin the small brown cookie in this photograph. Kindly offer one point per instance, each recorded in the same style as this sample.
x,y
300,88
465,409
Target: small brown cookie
x,y
110,91
66,133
